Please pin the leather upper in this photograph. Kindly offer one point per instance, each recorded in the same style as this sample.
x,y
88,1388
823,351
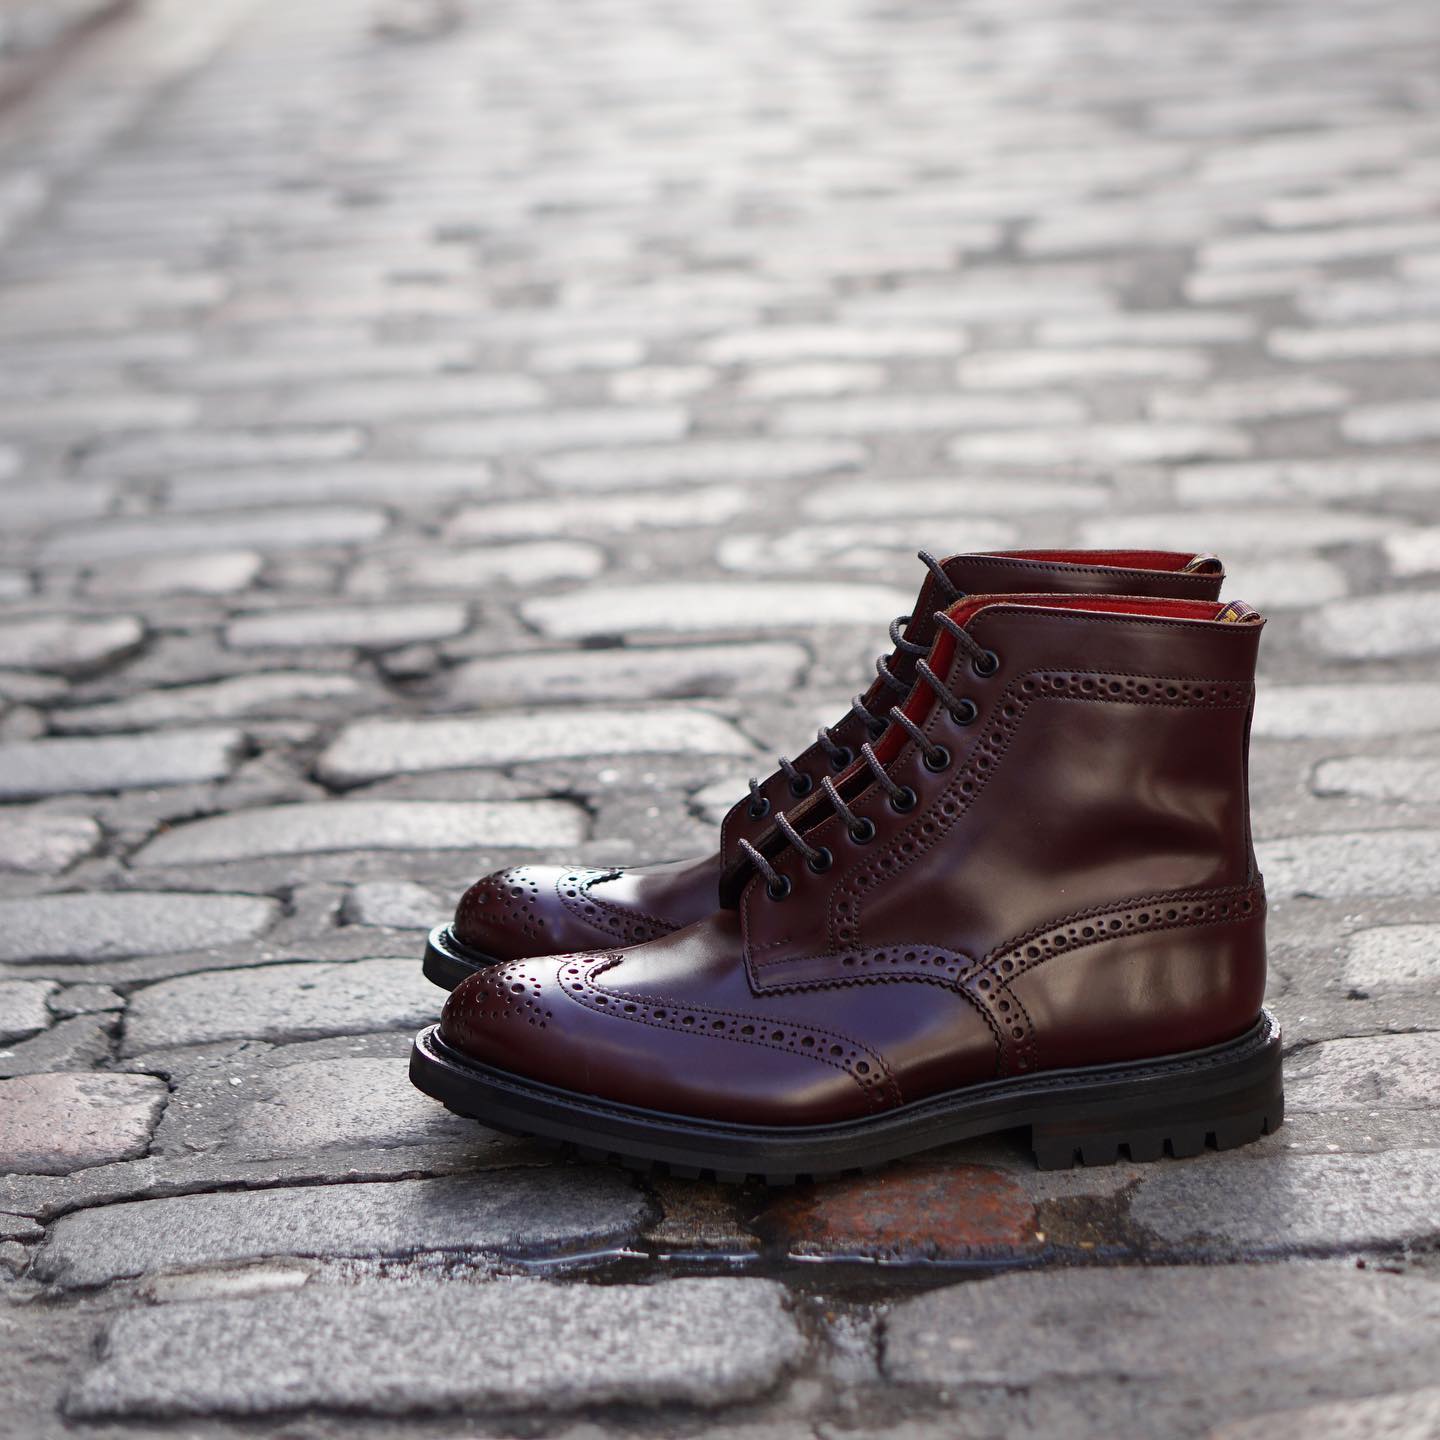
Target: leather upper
x,y
542,909
1075,886
538,910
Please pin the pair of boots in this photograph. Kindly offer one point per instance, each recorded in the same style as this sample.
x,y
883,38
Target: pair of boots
x,y
1022,896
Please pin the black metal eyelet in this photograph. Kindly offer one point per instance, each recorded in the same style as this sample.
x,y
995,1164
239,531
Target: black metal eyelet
x,y
821,860
780,888
905,801
986,664
937,759
967,713
801,786
862,832
843,757
759,807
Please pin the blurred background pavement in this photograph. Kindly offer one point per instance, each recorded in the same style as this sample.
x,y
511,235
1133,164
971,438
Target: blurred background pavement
x,y
441,433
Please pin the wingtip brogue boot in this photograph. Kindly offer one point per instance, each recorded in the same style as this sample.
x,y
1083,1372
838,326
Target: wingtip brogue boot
x,y
543,909
1031,902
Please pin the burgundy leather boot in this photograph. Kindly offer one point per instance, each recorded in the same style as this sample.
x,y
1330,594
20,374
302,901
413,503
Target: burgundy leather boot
x,y
543,909
1032,902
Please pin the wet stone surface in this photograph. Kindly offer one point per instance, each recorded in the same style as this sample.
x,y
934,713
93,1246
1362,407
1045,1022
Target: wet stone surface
x,y
504,485
515,1211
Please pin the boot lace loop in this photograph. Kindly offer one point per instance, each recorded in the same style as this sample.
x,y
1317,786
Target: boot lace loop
x,y
903,798
840,755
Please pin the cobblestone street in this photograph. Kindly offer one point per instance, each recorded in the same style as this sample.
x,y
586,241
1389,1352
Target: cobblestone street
x,y
443,434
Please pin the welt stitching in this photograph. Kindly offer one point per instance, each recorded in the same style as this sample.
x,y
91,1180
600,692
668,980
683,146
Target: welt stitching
x,y
1245,1046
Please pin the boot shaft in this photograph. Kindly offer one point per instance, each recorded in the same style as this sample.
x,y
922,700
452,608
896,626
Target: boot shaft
x,y
1161,573
1094,808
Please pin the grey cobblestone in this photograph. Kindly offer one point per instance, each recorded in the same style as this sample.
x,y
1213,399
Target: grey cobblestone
x,y
43,844
1410,1416
218,572
749,461
100,926
396,904
725,1341
544,459
280,1002
1185,1322
1393,957
554,430
1329,711
306,1108
120,762
631,673
1380,777
81,1043
162,452
1378,1072
499,1212
266,530
1366,862
52,1124
67,646
708,606
369,627
354,480
617,514
1378,626
368,825
371,749
277,692
23,1008
1295,1203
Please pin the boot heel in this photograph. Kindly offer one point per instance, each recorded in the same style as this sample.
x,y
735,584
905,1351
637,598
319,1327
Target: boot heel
x,y
1175,1114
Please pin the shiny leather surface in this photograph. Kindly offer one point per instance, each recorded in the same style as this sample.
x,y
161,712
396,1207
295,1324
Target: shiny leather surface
x,y
1076,887
538,910
1138,572
542,909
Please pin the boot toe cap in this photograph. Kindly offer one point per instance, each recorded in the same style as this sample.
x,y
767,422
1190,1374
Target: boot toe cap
x,y
498,1016
507,914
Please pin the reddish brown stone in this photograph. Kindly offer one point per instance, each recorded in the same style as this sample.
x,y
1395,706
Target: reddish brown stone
x,y
929,1210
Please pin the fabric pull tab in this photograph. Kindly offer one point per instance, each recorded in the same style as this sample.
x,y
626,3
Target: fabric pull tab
x,y
1237,612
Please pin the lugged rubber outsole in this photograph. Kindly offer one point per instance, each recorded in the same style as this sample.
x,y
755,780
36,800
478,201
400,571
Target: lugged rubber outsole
x,y
1222,1096
447,962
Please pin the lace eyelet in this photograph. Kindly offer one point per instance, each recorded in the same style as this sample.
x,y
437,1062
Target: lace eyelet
x,y
820,861
986,664
876,731
759,808
801,787
967,714
905,801
862,832
842,758
937,759
779,890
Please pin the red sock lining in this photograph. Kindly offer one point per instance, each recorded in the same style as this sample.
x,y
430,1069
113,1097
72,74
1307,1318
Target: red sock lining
x,y
1155,607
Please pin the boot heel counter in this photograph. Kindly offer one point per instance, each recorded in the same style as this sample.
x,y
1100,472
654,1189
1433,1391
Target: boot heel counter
x,y
1164,976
